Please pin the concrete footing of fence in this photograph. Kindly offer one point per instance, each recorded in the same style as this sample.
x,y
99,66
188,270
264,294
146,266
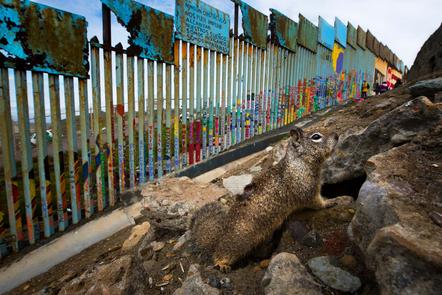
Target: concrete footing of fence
x,y
66,246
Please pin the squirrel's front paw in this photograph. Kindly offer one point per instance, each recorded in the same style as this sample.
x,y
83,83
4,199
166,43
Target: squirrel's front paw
x,y
223,265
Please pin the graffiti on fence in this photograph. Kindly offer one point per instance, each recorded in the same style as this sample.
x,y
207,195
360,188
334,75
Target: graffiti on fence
x,y
151,31
41,38
201,24
284,30
254,24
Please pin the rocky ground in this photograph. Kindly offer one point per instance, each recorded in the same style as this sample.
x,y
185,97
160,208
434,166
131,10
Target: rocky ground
x,y
388,241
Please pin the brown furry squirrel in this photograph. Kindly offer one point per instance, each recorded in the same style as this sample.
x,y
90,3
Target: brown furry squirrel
x,y
292,184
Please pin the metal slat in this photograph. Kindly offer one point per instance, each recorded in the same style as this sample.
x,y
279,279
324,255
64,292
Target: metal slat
x,y
131,117
99,156
119,76
25,149
85,176
9,168
109,125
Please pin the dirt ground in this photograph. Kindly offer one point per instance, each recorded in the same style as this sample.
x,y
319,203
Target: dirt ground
x,y
164,272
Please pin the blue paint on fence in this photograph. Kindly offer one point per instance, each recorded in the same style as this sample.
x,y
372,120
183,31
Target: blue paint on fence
x,y
326,34
340,32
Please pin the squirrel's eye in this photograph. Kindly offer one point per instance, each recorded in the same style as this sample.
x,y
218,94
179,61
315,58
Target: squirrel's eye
x,y
316,137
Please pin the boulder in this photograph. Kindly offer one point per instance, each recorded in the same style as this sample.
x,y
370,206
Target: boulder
x,y
394,223
195,285
427,87
429,59
394,128
333,276
286,275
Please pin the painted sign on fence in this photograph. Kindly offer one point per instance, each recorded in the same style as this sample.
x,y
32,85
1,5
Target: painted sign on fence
x,y
351,35
201,24
284,30
151,31
41,38
326,35
307,34
340,32
254,25
361,37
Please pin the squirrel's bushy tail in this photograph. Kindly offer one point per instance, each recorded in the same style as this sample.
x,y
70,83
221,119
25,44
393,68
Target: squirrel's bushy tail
x,y
206,226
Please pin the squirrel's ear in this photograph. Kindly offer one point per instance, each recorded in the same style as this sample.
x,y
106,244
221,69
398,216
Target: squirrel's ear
x,y
296,133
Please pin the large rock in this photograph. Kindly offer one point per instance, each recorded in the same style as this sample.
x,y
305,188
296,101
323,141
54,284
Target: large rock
x,y
429,59
194,284
179,197
394,128
427,87
394,224
333,276
286,275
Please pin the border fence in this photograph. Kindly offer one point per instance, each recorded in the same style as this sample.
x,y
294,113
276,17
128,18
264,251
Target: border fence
x,y
108,119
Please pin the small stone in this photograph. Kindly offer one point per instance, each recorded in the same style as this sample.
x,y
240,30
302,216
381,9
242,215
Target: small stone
x,y
435,165
264,263
312,239
181,241
137,232
157,246
236,183
167,277
223,201
351,211
26,287
348,261
150,280
436,217
333,276
255,169
269,149
226,283
214,282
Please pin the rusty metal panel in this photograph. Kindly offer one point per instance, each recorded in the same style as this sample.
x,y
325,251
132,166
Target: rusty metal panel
x,y
340,32
369,41
326,35
151,31
351,35
307,34
376,47
382,53
41,38
254,24
284,30
361,38
201,24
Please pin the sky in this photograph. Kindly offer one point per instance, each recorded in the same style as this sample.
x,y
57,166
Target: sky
x,y
403,25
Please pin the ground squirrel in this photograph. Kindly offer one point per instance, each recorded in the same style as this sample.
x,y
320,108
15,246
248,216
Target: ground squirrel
x,y
292,184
